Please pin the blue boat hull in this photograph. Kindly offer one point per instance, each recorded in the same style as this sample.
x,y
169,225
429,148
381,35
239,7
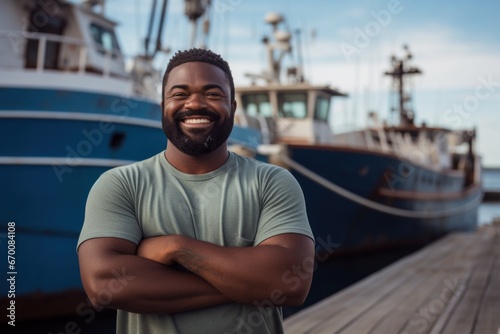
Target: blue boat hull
x,y
380,178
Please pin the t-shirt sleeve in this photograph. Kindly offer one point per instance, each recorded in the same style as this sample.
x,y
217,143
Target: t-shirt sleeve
x,y
283,207
109,211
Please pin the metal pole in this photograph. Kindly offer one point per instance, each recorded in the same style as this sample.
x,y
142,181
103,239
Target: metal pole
x,y
40,60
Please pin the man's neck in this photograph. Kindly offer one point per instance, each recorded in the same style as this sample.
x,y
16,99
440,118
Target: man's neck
x,y
196,164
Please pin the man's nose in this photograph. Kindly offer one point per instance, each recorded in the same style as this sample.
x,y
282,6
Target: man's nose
x,y
195,101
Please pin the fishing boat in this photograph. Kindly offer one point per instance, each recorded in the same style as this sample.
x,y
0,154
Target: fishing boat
x,y
69,110
383,186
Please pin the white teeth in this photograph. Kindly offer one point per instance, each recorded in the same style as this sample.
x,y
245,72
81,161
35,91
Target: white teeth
x,y
196,120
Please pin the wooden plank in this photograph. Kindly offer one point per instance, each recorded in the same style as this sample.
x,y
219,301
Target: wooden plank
x,y
450,289
355,295
419,311
344,299
488,320
462,313
369,321
345,307
464,316
451,286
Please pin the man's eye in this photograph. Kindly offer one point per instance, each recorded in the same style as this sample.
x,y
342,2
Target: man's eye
x,y
179,94
214,94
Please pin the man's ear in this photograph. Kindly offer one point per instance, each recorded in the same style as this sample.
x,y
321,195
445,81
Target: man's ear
x,y
233,107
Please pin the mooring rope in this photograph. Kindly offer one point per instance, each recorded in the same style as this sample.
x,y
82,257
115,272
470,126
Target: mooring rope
x,y
371,204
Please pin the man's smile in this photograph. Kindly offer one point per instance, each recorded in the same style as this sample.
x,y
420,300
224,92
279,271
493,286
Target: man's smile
x,y
197,123
196,120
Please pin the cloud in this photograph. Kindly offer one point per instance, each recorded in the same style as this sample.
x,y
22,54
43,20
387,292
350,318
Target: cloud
x,y
446,61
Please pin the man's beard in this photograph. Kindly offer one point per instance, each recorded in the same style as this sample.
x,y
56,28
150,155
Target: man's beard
x,y
197,144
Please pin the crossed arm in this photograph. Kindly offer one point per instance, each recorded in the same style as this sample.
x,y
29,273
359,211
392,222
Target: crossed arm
x,y
277,271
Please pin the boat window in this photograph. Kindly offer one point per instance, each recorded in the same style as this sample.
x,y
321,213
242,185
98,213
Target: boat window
x,y
53,25
257,105
292,105
105,38
322,108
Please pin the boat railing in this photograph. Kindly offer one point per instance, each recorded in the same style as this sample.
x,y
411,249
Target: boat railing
x,y
477,177
17,38
376,139
423,150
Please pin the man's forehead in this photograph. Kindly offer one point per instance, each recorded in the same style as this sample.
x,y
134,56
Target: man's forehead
x,y
197,66
192,72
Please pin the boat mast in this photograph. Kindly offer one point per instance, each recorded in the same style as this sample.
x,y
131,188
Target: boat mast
x,y
400,69
147,40
194,9
150,29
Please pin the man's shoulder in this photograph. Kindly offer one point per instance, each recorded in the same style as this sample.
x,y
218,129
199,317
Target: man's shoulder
x,y
258,165
261,169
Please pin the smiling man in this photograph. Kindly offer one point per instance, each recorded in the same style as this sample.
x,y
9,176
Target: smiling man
x,y
197,239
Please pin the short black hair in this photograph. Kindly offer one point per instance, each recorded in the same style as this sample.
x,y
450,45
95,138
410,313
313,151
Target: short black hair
x,y
197,55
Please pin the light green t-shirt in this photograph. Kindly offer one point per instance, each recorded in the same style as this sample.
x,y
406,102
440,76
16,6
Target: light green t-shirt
x,y
242,203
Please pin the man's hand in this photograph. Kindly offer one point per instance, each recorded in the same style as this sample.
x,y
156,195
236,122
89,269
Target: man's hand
x,y
159,249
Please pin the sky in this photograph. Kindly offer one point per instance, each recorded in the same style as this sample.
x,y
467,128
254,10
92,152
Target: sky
x,y
348,45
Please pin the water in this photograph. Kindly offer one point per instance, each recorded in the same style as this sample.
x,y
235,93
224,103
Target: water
x,y
491,179
490,210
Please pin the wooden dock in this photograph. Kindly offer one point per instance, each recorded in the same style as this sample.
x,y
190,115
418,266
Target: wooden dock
x,y
451,286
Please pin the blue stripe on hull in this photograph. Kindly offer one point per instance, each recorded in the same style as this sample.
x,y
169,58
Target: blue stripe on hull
x,y
73,101
79,139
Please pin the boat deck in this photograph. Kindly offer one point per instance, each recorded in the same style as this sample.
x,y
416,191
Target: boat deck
x,y
450,286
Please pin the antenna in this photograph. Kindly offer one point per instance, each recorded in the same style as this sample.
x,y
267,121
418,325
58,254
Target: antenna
x,y
300,61
400,69
277,47
282,43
